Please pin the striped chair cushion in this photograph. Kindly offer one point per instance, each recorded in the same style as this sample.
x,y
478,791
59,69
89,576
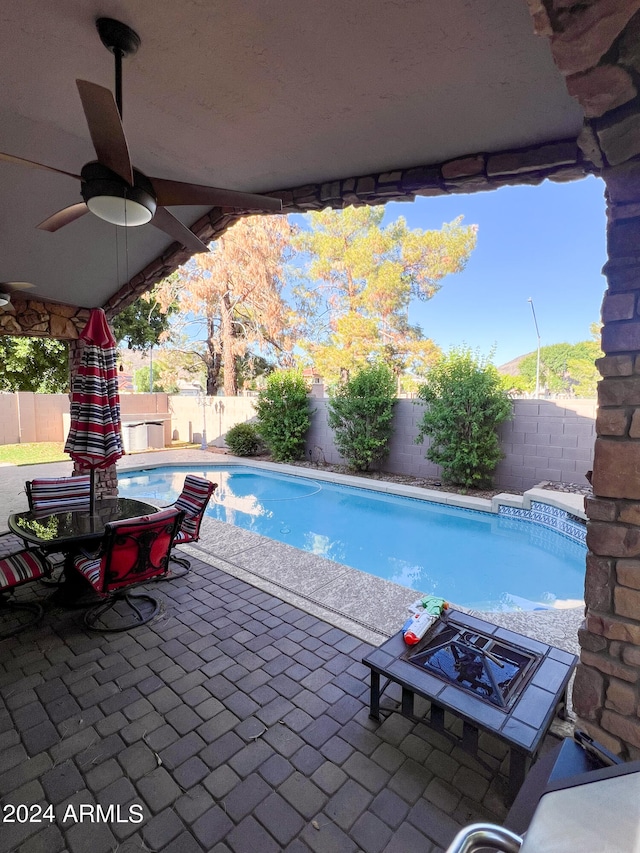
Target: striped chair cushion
x,y
22,567
193,499
89,567
58,492
182,536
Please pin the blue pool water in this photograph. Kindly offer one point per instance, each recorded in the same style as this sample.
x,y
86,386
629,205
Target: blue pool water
x,y
475,559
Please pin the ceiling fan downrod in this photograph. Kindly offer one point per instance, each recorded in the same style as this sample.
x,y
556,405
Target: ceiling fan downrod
x,y
121,41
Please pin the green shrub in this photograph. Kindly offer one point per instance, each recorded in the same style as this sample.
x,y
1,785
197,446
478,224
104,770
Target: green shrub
x,y
361,416
243,440
466,402
283,414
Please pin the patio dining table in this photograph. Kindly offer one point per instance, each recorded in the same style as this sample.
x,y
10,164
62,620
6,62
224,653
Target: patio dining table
x,y
70,531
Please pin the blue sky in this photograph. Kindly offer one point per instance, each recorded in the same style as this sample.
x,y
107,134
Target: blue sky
x,y
545,242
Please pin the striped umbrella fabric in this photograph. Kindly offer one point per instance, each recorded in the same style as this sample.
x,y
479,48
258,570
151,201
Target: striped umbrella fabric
x,y
95,439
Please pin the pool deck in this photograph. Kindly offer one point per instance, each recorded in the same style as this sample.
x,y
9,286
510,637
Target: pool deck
x,y
238,719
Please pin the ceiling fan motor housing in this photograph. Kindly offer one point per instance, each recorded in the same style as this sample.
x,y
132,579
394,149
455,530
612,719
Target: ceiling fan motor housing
x,y
113,199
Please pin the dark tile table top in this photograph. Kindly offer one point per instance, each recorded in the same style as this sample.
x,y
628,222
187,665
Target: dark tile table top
x,y
523,724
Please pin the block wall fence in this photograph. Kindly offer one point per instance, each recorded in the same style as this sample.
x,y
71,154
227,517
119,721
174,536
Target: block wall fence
x,y
546,440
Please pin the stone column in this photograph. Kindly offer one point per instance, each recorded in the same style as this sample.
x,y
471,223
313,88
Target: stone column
x,y
607,688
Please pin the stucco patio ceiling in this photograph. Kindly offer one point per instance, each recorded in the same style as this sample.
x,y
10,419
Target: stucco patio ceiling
x,y
254,96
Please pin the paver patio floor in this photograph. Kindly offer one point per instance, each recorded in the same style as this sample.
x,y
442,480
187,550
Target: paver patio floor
x,y
234,721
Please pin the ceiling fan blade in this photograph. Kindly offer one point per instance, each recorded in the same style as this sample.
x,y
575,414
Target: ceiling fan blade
x,y
20,161
171,193
17,285
105,127
64,217
168,223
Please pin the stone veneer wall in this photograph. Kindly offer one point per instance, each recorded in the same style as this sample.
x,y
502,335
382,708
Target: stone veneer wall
x,y
32,318
596,45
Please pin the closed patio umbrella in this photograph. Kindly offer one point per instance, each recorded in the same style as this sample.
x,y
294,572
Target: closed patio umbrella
x,y
95,439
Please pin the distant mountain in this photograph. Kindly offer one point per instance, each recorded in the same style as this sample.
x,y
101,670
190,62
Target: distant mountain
x,y
512,368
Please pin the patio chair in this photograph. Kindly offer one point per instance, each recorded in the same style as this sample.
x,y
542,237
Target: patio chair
x,y
16,568
56,493
193,500
132,551
52,494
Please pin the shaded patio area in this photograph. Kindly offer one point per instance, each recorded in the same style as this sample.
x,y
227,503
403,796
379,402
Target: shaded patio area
x,y
234,721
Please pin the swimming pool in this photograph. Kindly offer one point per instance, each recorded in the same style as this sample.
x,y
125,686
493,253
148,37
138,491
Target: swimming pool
x,y
476,559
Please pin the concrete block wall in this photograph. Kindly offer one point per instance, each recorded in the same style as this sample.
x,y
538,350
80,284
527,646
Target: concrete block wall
x,y
546,440
144,404
47,410
26,417
220,413
9,421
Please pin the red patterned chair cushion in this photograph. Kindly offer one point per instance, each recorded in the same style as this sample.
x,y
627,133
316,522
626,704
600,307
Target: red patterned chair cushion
x,y
193,499
22,567
132,551
53,493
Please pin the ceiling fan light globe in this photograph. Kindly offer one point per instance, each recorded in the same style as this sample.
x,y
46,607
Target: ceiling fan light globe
x,y
120,211
114,200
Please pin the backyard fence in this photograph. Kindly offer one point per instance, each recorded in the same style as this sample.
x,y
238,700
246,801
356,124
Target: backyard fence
x,y
546,440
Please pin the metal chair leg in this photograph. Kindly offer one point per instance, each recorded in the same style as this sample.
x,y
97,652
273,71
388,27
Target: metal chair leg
x,y
92,617
171,575
10,605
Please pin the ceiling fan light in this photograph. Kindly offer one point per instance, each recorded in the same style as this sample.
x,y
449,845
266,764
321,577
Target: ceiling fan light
x,y
5,299
120,211
114,200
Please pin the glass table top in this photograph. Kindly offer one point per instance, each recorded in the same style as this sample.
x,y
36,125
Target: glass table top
x,y
70,524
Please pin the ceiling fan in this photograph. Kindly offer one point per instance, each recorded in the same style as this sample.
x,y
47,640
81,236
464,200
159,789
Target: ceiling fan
x,y
9,287
111,187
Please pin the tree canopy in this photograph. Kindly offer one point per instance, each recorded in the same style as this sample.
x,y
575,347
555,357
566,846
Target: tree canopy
x,y
34,364
235,294
564,368
353,296
144,323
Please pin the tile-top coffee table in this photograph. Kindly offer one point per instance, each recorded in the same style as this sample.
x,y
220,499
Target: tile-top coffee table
x,y
494,680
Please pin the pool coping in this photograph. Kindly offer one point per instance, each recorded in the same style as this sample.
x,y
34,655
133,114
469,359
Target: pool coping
x,y
364,605
571,503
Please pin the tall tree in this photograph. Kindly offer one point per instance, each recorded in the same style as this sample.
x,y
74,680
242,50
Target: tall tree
x,y
34,364
355,293
235,293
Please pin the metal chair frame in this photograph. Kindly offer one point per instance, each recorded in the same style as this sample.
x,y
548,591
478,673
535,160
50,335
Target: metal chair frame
x,y
19,567
132,552
190,528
